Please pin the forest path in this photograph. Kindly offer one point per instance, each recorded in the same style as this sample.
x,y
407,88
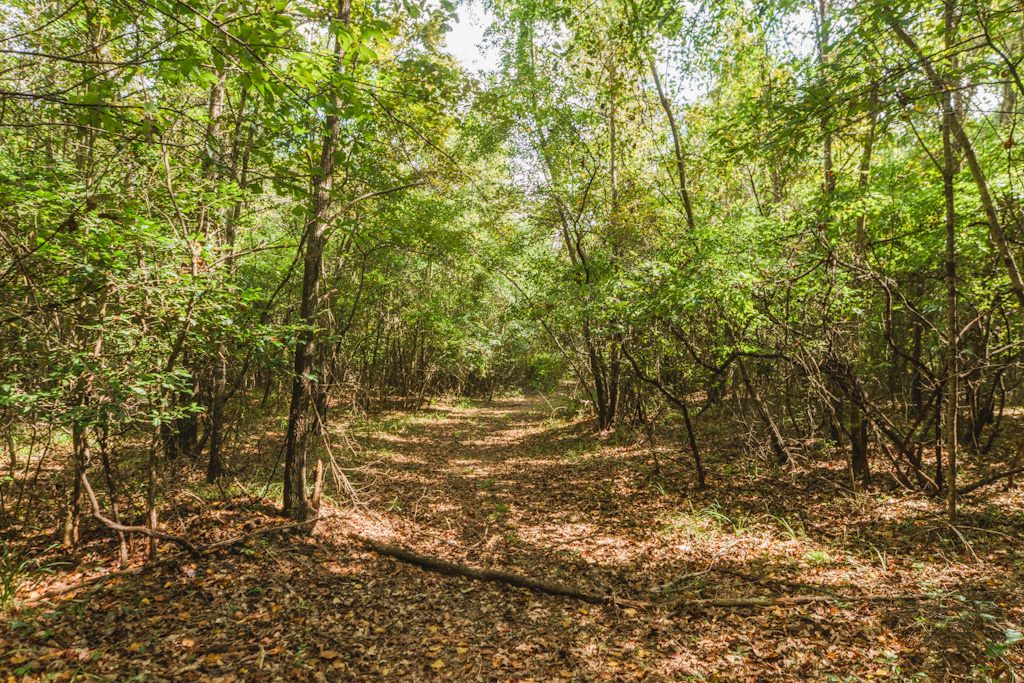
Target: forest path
x,y
504,481
506,486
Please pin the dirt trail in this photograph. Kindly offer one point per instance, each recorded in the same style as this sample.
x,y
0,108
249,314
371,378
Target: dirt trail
x,y
504,485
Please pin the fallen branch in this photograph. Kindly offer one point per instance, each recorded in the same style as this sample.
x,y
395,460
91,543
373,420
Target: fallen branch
x,y
68,590
145,530
988,480
263,532
440,566
796,600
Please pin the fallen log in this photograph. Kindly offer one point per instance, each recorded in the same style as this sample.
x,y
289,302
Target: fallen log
x,y
989,480
553,588
440,566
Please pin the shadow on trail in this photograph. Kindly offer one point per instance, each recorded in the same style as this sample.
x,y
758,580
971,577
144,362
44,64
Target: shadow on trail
x,y
504,486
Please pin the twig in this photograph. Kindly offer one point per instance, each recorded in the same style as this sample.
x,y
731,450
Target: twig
x,y
683,577
264,531
189,493
964,541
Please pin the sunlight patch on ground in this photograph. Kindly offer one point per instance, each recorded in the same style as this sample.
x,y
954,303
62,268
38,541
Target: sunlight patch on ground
x,y
405,459
402,438
525,461
559,533
445,507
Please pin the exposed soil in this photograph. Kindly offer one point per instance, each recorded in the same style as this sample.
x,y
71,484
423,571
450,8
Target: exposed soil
x,y
504,485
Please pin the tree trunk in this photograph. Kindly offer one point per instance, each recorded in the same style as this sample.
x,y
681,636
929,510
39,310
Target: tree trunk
x,y
952,369
858,424
684,192
73,511
218,368
296,505
216,468
957,133
778,444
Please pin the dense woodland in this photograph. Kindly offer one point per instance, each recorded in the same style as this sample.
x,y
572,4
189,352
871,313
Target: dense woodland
x,y
786,235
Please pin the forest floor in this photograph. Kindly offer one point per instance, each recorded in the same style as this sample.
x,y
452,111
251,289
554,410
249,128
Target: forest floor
x,y
505,485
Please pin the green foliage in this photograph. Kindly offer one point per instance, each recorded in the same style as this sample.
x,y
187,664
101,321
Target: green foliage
x,y
645,204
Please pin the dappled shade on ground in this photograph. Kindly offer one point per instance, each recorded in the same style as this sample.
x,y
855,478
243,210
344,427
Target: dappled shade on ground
x,y
506,486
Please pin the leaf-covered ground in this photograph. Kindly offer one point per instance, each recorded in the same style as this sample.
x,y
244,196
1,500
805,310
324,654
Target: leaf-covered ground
x,y
505,485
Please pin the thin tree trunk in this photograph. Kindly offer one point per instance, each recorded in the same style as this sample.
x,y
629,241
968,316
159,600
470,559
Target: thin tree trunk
x,y
996,232
296,505
681,403
952,369
858,424
108,472
781,451
73,512
684,192
218,368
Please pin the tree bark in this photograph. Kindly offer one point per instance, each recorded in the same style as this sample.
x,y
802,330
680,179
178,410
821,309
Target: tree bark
x,y
296,504
218,367
684,192
781,451
952,369
996,232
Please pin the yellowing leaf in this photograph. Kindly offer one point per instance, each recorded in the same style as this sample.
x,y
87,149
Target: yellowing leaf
x,y
437,665
462,650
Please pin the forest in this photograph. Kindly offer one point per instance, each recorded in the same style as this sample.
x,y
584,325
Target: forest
x,y
669,341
